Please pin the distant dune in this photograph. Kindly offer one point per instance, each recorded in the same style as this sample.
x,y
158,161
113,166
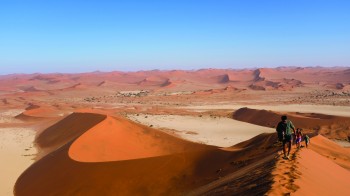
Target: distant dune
x,y
255,79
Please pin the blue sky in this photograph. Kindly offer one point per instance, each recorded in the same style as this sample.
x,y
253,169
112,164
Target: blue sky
x,y
80,36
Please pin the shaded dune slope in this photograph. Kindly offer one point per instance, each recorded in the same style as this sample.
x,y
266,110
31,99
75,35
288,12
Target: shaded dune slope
x,y
126,158
334,127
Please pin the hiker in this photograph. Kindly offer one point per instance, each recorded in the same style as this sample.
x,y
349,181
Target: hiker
x,y
298,138
284,131
307,140
281,128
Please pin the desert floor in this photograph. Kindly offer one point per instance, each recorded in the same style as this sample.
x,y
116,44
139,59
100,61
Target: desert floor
x,y
17,151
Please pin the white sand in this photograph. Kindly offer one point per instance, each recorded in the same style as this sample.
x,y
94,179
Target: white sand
x,y
221,132
16,150
345,144
322,109
7,116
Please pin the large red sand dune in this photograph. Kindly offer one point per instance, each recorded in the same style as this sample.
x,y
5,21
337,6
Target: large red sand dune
x,y
94,154
97,154
116,139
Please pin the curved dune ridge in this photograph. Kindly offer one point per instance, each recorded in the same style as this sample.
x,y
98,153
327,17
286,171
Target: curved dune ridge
x,y
36,112
116,139
335,127
95,154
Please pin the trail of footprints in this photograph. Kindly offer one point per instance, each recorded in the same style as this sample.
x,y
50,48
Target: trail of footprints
x,y
287,173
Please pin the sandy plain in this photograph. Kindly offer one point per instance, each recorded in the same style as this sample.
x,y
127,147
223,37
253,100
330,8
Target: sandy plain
x,y
221,131
17,150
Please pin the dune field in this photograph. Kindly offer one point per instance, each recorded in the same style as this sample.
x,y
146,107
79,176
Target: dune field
x,y
177,132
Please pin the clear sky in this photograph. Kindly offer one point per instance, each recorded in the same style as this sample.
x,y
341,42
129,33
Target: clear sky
x,y
80,36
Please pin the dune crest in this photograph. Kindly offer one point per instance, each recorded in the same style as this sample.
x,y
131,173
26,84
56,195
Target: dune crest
x,y
116,139
335,127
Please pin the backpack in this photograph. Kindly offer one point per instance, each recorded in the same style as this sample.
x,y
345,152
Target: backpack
x,y
281,129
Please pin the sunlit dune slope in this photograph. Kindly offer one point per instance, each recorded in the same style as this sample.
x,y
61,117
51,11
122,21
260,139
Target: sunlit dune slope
x,y
321,176
117,139
116,156
331,150
36,112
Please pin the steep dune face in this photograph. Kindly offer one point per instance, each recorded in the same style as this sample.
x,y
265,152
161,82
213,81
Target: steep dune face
x,y
154,81
94,154
275,79
334,127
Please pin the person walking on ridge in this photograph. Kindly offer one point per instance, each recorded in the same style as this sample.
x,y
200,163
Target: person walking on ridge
x,y
284,130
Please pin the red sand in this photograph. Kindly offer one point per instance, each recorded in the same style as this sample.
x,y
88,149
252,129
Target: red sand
x,y
331,150
321,176
116,139
94,153
188,167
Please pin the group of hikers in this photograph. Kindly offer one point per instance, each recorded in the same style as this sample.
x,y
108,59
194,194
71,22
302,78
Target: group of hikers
x,y
286,132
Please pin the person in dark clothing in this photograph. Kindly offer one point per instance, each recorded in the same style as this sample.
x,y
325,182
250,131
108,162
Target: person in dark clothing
x,y
284,131
281,128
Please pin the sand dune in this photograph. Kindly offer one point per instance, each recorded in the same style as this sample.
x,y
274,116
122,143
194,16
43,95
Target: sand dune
x,y
331,150
320,176
116,139
256,79
309,173
90,149
96,151
176,169
335,127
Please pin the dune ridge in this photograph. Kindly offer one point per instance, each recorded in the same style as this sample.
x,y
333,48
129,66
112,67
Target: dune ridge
x,y
334,127
183,167
108,155
310,173
116,139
